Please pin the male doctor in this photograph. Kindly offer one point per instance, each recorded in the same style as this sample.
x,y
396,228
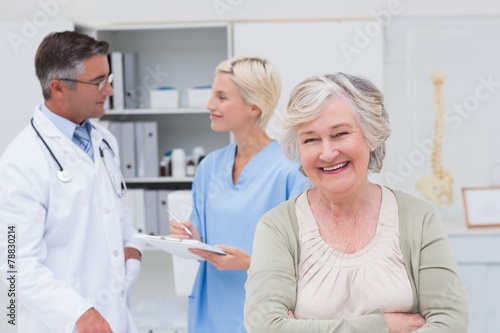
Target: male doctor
x,y
61,191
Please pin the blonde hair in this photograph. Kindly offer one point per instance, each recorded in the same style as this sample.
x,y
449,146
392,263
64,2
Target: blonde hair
x,y
258,82
310,97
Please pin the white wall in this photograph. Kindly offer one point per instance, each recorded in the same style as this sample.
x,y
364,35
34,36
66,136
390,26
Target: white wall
x,y
17,108
33,17
466,50
201,10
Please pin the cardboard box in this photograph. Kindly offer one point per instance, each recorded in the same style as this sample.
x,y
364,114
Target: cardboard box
x,y
164,98
198,97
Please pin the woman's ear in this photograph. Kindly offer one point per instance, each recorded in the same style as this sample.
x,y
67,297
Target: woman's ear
x,y
255,110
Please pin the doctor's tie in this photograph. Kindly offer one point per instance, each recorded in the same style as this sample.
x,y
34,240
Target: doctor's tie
x,y
82,139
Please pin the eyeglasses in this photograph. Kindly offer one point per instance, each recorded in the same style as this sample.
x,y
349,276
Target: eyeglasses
x,y
100,85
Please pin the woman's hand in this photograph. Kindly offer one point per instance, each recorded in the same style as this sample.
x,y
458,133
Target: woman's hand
x,y
178,230
403,322
234,259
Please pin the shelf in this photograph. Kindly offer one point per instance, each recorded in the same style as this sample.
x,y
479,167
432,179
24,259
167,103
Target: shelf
x,y
121,26
159,182
163,180
144,112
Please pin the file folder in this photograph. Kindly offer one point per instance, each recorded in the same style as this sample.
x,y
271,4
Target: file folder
x,y
127,149
130,80
146,134
151,211
116,64
163,218
134,201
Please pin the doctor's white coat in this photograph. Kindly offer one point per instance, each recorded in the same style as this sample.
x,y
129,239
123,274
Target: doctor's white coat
x,y
70,235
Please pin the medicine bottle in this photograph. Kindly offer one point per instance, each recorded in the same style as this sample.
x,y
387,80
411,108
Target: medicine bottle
x,y
190,167
163,168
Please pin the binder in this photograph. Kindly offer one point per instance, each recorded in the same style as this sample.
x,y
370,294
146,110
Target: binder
x,y
180,203
115,129
151,211
129,202
163,218
116,64
134,201
128,149
147,159
130,80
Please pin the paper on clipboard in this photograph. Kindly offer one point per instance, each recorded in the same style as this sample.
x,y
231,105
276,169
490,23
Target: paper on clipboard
x,y
177,246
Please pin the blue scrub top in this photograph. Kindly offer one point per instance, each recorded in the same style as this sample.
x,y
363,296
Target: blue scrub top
x,y
227,213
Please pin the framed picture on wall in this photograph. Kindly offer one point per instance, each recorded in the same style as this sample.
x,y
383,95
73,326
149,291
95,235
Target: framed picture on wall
x,y
482,206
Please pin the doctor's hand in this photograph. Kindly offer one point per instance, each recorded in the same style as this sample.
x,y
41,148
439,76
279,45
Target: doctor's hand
x,y
92,322
131,253
178,230
234,259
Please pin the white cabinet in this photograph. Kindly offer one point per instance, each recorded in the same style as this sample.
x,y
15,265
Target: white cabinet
x,y
478,255
182,56
303,49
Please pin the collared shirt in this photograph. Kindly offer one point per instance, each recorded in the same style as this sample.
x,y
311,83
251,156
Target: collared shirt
x,y
67,127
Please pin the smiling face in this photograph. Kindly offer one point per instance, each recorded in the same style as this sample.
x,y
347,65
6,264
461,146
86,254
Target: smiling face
x,y
333,151
228,110
85,100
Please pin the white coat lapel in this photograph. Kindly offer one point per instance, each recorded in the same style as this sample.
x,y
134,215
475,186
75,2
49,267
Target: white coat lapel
x,y
58,142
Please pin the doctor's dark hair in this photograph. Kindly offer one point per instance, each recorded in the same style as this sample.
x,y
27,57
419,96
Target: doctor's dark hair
x,y
258,82
310,97
61,55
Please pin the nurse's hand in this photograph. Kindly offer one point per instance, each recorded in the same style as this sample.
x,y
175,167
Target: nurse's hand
x,y
178,230
92,322
234,259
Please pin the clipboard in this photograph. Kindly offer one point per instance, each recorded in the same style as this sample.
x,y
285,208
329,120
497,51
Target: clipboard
x,y
178,247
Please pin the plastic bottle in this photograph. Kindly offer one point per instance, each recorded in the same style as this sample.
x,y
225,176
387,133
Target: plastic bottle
x,y
178,163
198,154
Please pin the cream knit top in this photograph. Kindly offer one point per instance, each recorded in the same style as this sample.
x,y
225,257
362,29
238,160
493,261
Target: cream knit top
x,y
333,285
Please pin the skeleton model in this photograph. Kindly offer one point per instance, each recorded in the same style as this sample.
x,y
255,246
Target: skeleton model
x,y
438,187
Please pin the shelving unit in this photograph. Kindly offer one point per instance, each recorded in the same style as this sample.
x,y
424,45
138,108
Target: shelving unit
x,y
176,55
181,56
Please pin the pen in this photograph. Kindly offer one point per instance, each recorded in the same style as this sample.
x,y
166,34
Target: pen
x,y
185,228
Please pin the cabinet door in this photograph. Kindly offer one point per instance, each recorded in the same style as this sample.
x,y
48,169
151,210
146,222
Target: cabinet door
x,y
478,258
19,86
303,49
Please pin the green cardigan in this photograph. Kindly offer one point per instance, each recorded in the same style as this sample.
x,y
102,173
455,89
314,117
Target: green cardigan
x,y
438,293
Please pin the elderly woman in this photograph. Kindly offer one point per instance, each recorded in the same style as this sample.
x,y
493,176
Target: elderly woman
x,y
348,255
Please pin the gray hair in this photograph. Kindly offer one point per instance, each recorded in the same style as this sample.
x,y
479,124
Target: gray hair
x,y
258,82
61,55
310,97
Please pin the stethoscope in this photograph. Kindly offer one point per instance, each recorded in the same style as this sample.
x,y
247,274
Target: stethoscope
x,y
65,176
